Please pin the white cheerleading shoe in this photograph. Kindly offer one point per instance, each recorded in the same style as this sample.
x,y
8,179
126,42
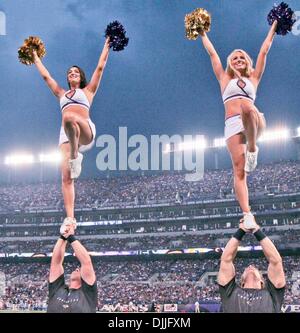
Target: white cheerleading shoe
x,y
75,166
251,160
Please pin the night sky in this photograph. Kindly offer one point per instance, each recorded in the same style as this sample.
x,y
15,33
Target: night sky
x,y
161,83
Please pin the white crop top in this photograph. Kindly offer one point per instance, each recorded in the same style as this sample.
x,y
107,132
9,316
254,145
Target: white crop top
x,y
74,97
239,88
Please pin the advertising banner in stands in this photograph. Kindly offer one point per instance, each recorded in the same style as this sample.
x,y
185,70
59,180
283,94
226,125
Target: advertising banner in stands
x,y
291,308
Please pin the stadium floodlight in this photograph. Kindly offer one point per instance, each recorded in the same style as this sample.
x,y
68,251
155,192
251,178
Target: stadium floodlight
x,y
193,145
219,142
54,157
167,148
298,131
19,159
280,134
197,144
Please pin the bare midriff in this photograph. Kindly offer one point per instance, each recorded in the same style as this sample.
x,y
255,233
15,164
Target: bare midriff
x,y
235,107
78,110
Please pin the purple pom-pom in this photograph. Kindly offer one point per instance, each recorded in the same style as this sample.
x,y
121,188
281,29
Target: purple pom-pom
x,y
284,16
116,33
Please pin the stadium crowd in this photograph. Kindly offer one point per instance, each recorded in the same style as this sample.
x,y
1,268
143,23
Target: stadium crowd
x,y
280,177
282,239
128,285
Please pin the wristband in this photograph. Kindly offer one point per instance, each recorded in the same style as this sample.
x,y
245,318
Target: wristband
x,y
240,233
63,238
259,235
71,239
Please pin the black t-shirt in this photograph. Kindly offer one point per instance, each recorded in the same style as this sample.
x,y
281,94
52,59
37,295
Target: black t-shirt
x,y
246,300
65,300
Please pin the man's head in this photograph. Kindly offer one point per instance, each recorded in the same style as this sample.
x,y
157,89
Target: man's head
x,y
252,278
75,279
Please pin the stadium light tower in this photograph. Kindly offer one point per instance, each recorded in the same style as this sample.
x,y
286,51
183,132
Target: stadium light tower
x,y
199,144
193,145
279,134
54,157
19,159
23,158
297,143
219,142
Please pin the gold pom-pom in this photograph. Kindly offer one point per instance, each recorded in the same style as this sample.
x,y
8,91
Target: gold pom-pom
x,y
25,51
196,23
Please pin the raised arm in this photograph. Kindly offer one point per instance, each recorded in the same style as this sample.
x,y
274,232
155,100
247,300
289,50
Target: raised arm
x,y
56,267
227,270
214,57
87,270
97,75
275,268
262,56
52,84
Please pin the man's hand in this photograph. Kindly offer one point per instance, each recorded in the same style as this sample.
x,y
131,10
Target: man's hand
x,y
69,230
68,221
241,225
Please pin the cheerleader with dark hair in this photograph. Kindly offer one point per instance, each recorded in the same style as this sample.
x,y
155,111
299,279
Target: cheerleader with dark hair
x,y
77,132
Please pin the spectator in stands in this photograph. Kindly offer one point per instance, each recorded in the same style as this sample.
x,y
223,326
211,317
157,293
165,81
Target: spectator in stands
x,y
197,307
81,294
254,294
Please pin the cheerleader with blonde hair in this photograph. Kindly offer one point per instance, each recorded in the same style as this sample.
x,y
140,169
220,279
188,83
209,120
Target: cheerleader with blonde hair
x,y
244,123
